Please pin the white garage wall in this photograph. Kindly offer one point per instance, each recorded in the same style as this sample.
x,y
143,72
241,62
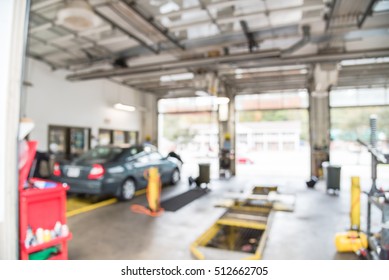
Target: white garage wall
x,y
52,100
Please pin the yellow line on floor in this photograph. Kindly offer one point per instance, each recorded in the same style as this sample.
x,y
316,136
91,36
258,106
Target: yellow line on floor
x,y
91,207
87,208
140,192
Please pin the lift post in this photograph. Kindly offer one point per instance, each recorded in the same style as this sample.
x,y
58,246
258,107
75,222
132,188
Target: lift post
x,y
353,240
355,203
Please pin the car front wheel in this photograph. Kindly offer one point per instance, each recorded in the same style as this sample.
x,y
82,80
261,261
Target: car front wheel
x,y
127,190
175,176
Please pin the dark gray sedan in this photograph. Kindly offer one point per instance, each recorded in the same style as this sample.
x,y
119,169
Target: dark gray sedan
x,y
115,170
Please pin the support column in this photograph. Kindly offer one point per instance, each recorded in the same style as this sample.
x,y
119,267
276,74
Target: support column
x,y
149,119
324,76
13,31
226,121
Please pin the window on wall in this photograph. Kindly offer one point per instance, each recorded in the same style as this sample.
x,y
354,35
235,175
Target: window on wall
x,y
117,137
105,137
68,142
359,97
272,101
185,105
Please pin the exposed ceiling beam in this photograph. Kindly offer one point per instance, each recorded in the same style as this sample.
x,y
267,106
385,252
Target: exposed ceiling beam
x,y
43,4
229,39
205,8
74,33
109,21
62,49
151,21
41,27
269,58
53,66
271,78
368,12
328,17
265,88
264,74
181,25
214,41
173,65
212,5
152,75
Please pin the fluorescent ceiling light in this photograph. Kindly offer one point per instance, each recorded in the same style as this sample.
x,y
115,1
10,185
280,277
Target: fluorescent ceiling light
x,y
303,71
177,77
239,71
169,7
350,62
123,107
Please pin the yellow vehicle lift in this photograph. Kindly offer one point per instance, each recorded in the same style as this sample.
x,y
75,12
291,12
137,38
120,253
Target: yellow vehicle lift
x,y
241,232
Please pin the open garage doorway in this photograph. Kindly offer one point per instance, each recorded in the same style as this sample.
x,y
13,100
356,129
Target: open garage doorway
x,y
188,126
272,134
350,113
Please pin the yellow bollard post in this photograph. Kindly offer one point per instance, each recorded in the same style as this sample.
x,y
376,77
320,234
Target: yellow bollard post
x,y
355,203
353,240
153,189
153,194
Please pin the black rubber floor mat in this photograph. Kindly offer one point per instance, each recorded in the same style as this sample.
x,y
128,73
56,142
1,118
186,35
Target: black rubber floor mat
x,y
179,201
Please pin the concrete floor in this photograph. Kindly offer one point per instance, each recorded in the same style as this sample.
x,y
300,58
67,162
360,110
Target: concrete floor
x,y
114,232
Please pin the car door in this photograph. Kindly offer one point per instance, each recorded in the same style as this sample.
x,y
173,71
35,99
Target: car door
x,y
157,160
140,165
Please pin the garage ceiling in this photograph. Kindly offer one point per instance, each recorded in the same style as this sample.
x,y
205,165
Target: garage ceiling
x,y
186,47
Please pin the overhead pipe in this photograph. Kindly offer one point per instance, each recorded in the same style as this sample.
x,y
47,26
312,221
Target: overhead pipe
x,y
173,65
301,43
150,21
204,42
249,35
220,40
266,59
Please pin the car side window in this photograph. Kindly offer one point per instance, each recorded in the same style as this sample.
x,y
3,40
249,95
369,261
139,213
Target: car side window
x,y
155,156
133,154
143,159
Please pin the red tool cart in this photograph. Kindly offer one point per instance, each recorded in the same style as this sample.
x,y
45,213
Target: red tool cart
x,y
43,230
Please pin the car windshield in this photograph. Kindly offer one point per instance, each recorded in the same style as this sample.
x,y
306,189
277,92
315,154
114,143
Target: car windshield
x,y
99,155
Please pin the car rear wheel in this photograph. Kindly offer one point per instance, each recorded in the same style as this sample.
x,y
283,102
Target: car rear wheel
x,y
127,190
175,176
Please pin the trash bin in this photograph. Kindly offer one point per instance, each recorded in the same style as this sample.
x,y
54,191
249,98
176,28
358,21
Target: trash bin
x,y
204,173
333,177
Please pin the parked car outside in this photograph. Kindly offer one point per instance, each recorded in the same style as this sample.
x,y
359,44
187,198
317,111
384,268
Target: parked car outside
x,y
116,170
244,160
